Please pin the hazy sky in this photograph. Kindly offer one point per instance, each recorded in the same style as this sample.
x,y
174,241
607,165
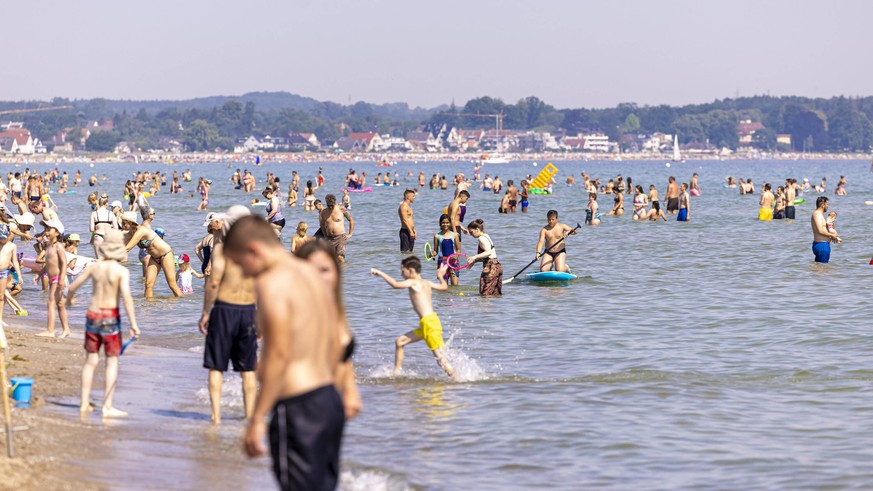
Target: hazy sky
x,y
569,53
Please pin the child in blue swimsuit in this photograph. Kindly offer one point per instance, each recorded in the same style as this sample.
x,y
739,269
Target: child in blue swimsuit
x,y
447,243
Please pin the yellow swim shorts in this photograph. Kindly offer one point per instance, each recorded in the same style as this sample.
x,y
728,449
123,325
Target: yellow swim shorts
x,y
765,214
431,330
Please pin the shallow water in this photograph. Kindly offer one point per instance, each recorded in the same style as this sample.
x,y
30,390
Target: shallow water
x,y
709,354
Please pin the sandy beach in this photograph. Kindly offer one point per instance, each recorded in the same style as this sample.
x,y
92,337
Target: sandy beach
x,y
44,450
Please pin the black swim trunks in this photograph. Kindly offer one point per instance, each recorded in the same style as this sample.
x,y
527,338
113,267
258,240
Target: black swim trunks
x,y
789,212
407,243
555,254
458,231
231,337
305,436
672,204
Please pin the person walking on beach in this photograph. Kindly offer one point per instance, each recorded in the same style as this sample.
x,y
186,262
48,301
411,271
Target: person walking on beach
x,y
333,226
429,327
300,357
407,224
56,267
491,279
821,236
549,236
110,281
228,320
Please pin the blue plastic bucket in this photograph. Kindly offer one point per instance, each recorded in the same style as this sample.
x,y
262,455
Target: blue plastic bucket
x,y
21,387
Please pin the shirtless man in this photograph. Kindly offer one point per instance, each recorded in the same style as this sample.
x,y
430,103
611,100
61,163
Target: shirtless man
x,y
791,188
821,236
407,224
671,197
228,320
525,189
513,195
456,212
302,349
549,237
461,185
333,226
767,200
56,266
110,281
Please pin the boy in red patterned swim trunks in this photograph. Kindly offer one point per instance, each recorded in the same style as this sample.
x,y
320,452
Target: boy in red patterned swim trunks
x,y
110,281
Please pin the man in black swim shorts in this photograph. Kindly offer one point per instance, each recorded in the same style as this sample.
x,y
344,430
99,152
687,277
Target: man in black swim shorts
x,y
301,331
228,321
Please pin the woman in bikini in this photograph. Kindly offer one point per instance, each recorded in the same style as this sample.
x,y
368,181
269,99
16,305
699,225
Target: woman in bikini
x,y
102,220
309,197
274,210
640,203
618,208
159,252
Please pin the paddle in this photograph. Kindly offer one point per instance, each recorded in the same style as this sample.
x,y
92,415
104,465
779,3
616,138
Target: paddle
x,y
578,226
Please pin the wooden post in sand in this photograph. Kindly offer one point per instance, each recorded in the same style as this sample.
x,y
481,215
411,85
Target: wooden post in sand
x,y
7,416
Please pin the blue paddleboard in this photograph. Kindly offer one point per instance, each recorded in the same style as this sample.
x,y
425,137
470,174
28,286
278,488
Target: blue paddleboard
x,y
551,276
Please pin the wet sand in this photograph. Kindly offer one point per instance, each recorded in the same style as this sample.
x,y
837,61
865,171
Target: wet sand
x,y
166,442
43,451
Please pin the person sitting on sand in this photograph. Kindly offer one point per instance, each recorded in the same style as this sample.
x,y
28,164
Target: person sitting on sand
x,y
110,281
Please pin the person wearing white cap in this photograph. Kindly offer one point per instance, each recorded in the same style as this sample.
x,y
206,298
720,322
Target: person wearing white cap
x,y
55,266
160,253
23,225
102,220
203,250
228,320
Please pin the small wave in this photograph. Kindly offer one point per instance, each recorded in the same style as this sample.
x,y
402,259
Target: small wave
x,y
370,480
231,392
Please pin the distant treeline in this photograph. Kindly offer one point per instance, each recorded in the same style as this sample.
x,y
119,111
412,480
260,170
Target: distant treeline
x,y
836,124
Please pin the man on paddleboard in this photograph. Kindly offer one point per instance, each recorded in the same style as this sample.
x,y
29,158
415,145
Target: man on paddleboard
x,y
553,258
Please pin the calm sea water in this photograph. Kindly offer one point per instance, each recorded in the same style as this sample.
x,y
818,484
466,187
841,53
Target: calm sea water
x,y
710,354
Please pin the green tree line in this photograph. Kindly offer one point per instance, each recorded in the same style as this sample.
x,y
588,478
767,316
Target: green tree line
x,y
836,124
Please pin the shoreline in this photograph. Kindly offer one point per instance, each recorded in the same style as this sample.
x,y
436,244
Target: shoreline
x,y
395,158
43,452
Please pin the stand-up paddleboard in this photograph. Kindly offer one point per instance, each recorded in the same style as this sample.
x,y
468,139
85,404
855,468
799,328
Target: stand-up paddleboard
x,y
551,276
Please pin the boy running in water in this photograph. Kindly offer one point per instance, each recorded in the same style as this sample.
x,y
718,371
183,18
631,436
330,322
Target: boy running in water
x,y
430,329
110,281
56,267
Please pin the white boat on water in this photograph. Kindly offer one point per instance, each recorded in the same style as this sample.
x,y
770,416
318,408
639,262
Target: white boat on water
x,y
494,159
677,157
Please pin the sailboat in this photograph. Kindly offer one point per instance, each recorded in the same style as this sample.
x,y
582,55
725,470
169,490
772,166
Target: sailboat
x,y
677,157
496,157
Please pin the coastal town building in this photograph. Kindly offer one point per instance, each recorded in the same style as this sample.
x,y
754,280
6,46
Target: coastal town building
x,y
15,139
360,142
746,131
